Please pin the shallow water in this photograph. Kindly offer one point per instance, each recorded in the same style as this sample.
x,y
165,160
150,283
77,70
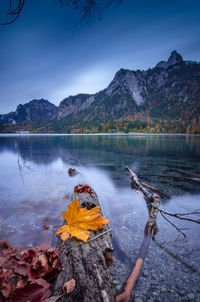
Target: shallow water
x,y
35,187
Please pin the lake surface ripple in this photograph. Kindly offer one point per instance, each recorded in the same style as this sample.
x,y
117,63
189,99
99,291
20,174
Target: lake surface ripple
x,y
35,187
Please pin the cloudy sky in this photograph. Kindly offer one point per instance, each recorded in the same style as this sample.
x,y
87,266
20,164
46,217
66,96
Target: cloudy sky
x,y
43,56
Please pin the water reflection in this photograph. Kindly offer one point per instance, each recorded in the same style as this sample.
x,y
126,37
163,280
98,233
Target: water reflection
x,y
35,187
45,149
154,157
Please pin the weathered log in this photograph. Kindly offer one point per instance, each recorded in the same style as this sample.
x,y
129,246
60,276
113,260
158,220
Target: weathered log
x,y
153,202
87,263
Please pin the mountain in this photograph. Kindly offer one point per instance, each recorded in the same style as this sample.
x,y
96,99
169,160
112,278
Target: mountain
x,y
165,98
34,113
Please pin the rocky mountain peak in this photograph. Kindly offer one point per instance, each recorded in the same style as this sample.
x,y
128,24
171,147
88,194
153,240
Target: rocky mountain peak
x,y
174,58
33,111
165,97
74,104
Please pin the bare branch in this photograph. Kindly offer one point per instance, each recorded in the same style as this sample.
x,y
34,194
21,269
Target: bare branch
x,y
20,167
149,232
176,257
153,202
180,216
13,11
179,230
89,9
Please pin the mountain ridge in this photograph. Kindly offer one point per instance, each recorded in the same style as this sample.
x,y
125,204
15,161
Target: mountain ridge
x,y
165,98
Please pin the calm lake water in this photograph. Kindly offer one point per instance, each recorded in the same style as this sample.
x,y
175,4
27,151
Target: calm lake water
x,y
35,187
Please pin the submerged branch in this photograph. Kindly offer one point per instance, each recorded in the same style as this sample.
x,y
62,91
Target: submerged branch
x,y
190,267
180,216
178,229
150,230
153,203
20,167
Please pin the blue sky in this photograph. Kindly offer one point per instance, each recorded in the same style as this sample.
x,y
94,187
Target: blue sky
x,y
41,56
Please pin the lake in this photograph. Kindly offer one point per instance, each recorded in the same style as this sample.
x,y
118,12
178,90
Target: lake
x,y
35,187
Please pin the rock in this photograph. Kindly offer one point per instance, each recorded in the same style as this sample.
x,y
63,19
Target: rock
x,y
74,104
191,296
163,289
138,299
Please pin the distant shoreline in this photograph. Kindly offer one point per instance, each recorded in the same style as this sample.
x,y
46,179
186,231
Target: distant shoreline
x,y
96,134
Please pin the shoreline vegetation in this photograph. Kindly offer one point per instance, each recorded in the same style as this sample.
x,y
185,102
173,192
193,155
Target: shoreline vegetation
x,y
118,127
99,133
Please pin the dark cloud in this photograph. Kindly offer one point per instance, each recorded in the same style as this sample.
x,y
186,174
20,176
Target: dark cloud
x,y
42,56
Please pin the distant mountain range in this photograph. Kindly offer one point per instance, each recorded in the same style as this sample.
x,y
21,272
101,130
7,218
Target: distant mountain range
x,y
165,98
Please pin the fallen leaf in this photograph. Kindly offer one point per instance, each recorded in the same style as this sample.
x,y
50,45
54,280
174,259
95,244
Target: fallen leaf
x,y
21,283
2,260
69,286
54,298
28,255
4,244
40,264
84,189
22,271
36,291
46,226
42,247
22,268
6,289
8,251
7,273
80,220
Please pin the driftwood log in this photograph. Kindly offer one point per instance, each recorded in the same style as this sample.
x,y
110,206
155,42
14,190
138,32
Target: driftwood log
x,y
87,263
153,202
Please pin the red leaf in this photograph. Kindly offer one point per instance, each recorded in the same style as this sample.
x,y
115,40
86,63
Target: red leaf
x,y
28,255
40,264
84,189
6,289
21,283
42,282
69,286
42,247
22,268
7,273
2,260
36,291
3,244
8,251
55,262
45,226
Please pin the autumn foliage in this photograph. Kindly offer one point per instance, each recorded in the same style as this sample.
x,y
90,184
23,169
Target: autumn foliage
x,y
84,189
25,275
79,221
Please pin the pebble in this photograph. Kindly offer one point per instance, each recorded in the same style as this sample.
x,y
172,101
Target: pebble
x,y
115,282
138,300
191,296
163,280
145,273
163,289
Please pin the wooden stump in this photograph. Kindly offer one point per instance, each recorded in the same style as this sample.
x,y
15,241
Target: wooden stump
x,y
86,263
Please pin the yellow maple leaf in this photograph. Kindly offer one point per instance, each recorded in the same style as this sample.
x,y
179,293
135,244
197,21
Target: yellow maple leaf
x,y
79,221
